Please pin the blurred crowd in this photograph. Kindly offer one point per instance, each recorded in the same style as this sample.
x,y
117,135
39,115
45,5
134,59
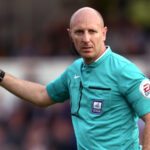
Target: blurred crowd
x,y
31,128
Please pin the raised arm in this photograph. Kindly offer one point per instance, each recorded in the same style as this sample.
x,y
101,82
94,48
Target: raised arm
x,y
29,91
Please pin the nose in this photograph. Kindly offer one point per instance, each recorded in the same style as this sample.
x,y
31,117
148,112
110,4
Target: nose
x,y
86,37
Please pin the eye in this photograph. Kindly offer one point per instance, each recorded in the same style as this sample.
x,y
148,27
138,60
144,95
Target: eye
x,y
92,31
79,31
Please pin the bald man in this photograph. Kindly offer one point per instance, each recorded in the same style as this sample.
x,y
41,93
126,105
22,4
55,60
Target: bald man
x,y
107,92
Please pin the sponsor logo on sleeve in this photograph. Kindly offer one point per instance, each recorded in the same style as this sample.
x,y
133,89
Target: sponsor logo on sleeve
x,y
145,88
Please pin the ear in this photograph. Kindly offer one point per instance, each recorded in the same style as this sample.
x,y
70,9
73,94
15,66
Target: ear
x,y
69,32
104,33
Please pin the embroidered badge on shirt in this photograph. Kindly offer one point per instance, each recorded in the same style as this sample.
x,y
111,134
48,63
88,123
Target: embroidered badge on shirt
x,y
97,106
145,88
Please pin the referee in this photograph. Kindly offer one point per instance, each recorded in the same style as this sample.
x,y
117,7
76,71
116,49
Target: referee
x,y
107,92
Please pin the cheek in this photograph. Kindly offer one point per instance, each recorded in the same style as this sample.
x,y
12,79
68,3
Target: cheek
x,y
76,42
98,44
100,38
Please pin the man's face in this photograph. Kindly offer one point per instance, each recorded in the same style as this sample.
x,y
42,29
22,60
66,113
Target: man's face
x,y
88,36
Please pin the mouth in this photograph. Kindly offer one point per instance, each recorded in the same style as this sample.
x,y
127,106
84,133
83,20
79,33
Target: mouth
x,y
86,48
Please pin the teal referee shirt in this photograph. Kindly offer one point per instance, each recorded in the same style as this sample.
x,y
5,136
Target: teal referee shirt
x,y
105,101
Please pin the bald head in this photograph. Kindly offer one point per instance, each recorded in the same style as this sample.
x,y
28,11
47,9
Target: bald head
x,y
86,12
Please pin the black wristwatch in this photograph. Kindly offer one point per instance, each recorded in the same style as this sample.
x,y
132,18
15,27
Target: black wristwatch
x,y
2,74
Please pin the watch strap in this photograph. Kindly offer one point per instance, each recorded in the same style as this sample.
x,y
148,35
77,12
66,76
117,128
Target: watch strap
x,y
2,74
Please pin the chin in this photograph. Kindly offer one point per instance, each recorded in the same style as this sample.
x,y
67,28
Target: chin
x,y
87,56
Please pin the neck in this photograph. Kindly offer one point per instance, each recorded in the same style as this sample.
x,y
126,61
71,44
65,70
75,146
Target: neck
x,y
90,60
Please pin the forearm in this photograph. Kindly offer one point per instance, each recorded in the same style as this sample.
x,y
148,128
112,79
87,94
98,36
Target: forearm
x,y
29,91
146,136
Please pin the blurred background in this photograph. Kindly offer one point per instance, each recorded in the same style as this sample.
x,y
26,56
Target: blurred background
x,y
34,45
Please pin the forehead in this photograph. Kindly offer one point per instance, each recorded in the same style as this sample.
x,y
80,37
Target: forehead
x,y
86,19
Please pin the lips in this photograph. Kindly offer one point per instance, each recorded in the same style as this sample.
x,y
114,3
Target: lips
x,y
86,48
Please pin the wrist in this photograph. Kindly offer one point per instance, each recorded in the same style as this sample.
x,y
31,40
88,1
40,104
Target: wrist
x,y
2,75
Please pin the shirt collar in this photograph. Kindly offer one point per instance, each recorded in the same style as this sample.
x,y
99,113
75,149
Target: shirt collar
x,y
107,48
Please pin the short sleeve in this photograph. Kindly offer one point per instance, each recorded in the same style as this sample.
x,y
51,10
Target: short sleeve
x,y
130,81
58,89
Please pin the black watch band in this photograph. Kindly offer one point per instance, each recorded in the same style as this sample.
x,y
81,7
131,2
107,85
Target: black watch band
x,y
2,74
